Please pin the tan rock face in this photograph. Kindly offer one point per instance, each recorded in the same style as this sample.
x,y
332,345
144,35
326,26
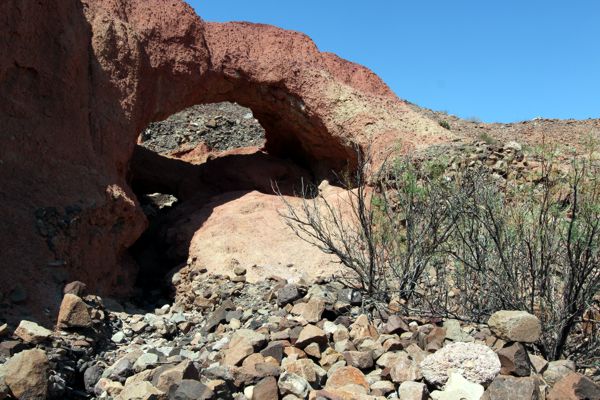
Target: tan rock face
x,y
75,106
26,374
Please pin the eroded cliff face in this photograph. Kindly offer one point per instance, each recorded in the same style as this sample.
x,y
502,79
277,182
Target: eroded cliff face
x,y
80,79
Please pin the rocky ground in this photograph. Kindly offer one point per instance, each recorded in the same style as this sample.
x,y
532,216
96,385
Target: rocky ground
x,y
224,338
220,126
567,134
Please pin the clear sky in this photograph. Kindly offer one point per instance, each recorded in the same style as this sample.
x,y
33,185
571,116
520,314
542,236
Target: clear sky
x,y
496,60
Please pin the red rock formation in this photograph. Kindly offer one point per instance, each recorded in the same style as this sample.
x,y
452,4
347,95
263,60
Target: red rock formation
x,y
79,80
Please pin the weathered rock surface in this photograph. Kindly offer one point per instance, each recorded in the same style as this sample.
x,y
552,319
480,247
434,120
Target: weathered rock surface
x,y
108,74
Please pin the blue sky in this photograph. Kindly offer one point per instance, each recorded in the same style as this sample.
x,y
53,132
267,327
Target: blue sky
x,y
496,60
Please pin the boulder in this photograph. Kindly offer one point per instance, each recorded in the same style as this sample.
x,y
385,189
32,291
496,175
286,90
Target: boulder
x,y
458,388
395,324
288,294
188,389
76,287
515,326
359,359
143,390
313,310
266,389
346,376
475,362
145,361
275,349
293,384
30,332
514,360
73,313
91,376
514,388
311,334
306,369
574,387
455,333
382,388
556,370
538,363
218,316
362,328
105,386
171,376
413,391
26,374
405,369
243,343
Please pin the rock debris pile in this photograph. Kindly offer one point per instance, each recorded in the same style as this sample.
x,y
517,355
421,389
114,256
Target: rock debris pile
x,y
224,338
220,126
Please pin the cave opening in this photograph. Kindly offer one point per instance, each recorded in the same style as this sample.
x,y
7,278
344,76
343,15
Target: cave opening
x,y
181,164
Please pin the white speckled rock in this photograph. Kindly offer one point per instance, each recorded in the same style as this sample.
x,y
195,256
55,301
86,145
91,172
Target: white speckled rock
x,y
475,362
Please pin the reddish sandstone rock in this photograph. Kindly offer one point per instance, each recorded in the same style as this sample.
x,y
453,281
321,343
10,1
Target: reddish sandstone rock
x,y
80,79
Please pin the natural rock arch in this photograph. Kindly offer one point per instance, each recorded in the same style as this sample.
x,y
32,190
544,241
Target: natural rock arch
x,y
80,79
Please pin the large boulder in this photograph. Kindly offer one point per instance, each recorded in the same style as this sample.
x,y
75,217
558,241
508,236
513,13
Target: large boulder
x,y
26,374
73,313
515,326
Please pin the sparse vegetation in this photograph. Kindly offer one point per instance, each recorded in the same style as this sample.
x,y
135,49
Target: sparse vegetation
x,y
474,120
444,124
473,244
486,138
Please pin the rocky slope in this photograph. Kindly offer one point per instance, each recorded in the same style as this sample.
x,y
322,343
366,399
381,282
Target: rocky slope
x,y
567,134
221,126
